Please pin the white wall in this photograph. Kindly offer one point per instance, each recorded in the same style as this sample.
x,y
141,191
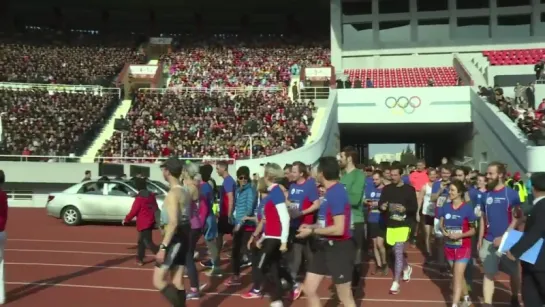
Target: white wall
x,y
398,61
447,104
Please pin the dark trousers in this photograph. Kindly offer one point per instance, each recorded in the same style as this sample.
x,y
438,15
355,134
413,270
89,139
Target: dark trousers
x,y
270,264
257,275
240,240
533,288
145,240
189,261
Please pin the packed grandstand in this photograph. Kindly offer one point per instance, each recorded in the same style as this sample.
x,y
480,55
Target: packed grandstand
x,y
222,96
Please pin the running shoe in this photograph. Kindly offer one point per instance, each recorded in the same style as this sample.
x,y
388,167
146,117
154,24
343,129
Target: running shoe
x,y
385,270
139,263
206,263
297,291
233,281
467,301
395,288
214,272
515,302
252,294
192,295
407,273
245,264
277,304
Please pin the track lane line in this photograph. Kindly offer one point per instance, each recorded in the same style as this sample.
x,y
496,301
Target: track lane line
x,y
220,293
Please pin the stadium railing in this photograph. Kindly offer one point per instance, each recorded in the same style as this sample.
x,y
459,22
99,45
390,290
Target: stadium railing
x,y
227,90
95,89
314,93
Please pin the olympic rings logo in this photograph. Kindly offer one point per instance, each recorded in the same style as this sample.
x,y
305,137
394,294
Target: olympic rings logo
x,y
408,105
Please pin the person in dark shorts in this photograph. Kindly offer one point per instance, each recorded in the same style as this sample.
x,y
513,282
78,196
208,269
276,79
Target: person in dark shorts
x,y
227,202
376,227
428,211
354,181
335,248
168,275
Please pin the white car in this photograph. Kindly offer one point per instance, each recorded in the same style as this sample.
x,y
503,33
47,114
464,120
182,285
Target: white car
x,y
98,200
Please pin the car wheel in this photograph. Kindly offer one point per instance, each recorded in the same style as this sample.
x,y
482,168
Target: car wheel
x,y
71,216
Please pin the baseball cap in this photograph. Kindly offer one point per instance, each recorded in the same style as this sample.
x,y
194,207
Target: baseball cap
x,y
173,165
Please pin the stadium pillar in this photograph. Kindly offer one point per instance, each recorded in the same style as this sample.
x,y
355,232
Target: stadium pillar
x,y
336,27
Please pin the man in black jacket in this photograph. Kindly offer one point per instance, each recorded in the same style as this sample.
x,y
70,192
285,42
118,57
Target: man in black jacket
x,y
533,275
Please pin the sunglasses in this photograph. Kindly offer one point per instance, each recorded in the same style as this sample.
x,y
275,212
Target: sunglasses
x,y
242,178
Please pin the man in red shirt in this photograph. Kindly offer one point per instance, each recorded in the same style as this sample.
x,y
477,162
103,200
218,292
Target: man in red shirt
x,y
3,220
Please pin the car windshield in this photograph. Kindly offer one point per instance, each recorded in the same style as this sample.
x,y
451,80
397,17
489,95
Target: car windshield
x,y
160,184
152,186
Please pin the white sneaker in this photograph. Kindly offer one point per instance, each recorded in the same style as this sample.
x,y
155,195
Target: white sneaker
x,y
394,289
407,273
277,304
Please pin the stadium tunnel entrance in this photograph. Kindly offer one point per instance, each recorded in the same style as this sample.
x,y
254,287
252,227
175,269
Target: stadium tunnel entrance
x,y
432,141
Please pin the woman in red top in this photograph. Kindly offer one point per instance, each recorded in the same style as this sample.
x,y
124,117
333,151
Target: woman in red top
x,y
143,208
3,220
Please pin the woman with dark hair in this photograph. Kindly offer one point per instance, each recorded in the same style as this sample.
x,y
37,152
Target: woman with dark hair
x,y
245,203
143,208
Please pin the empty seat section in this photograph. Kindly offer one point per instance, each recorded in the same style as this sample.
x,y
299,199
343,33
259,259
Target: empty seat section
x,y
514,56
404,77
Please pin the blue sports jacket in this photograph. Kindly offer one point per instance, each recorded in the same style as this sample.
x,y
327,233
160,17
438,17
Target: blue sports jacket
x,y
245,203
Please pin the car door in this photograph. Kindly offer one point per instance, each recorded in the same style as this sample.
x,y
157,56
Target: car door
x,y
119,200
91,200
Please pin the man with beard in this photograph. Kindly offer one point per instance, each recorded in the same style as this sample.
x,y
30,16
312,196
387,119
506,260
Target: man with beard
x,y
353,180
499,211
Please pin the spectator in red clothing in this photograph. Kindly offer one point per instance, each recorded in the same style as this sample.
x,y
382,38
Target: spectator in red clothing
x,y
144,209
3,220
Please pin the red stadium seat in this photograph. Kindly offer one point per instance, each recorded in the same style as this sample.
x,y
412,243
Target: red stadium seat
x,y
406,77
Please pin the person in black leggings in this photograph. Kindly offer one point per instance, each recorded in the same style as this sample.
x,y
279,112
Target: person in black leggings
x,y
274,231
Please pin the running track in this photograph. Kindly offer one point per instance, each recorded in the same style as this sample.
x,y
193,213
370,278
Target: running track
x,y
48,263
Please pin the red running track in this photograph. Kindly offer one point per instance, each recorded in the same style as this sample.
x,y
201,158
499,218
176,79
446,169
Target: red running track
x,y
93,265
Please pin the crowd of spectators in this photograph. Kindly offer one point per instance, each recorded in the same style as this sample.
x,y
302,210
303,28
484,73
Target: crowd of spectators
x,y
47,58
46,123
212,124
231,61
520,107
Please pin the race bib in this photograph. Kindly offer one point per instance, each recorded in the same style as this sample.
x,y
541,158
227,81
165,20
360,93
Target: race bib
x,y
454,230
430,210
321,222
374,207
441,200
293,209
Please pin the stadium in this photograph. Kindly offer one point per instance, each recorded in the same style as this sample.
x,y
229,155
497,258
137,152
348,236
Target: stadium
x,y
115,88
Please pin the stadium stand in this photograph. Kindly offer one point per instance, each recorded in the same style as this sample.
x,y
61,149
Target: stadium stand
x,y
405,77
45,122
206,123
515,56
229,61
82,60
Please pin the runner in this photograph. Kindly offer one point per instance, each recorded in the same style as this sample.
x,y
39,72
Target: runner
x,y
500,210
303,201
227,203
428,211
398,200
418,177
457,220
168,275
439,197
275,227
376,226
3,221
192,181
210,229
353,180
335,250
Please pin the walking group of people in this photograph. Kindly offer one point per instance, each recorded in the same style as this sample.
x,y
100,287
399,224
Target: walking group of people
x,y
324,221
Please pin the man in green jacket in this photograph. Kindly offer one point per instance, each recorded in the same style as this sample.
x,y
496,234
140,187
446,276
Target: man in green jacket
x,y
354,182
